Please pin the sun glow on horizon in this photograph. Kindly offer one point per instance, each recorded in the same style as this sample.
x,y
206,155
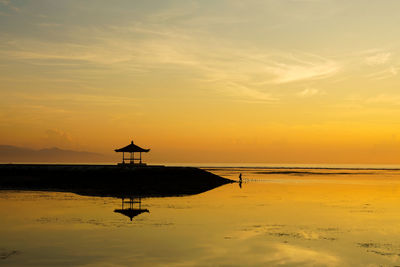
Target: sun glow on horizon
x,y
204,81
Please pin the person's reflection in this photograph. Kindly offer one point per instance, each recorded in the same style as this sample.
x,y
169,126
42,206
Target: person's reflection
x,y
130,211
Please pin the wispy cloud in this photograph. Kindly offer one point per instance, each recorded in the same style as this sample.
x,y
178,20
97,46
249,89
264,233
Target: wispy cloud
x,y
248,93
386,73
308,92
381,63
384,99
75,99
310,70
378,59
243,71
10,5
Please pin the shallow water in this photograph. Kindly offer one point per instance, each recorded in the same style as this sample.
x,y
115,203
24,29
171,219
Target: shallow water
x,y
280,217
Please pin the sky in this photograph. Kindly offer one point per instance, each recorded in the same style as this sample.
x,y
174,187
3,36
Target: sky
x,y
274,81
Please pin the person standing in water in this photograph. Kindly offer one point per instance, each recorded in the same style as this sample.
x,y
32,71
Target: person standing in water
x,y
240,180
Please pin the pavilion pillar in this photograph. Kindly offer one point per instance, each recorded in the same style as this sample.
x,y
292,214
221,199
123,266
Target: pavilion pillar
x,y
123,157
140,157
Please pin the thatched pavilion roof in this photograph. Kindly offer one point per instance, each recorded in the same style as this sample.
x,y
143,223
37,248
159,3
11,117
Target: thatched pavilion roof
x,y
132,148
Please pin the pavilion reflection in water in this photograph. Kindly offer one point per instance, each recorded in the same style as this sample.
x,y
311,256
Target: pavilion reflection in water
x,y
129,210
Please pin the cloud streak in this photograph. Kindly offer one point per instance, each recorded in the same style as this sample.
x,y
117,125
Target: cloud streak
x,y
378,59
7,3
311,70
308,92
241,70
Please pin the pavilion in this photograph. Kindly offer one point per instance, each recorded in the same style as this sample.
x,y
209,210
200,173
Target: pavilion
x,y
131,211
132,148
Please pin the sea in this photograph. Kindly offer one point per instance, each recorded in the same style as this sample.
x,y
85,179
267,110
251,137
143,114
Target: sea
x,y
279,215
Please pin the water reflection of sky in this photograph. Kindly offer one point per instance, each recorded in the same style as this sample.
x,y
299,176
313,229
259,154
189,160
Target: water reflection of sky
x,y
323,220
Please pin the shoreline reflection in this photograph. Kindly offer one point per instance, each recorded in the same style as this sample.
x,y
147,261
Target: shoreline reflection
x,y
131,211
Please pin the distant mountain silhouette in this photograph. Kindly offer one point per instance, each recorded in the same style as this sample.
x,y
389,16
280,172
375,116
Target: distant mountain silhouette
x,y
14,154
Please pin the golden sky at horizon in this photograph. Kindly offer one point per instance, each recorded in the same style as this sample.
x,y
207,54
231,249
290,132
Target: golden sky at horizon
x,y
288,81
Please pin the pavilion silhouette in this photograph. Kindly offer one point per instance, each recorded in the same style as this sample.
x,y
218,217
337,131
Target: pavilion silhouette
x,y
130,211
132,149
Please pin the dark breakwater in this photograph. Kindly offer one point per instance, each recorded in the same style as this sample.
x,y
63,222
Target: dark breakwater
x,y
109,180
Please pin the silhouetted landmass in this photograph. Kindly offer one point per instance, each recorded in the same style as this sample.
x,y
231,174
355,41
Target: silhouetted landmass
x,y
11,154
109,180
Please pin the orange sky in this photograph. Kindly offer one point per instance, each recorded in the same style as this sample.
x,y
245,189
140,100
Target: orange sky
x,y
204,81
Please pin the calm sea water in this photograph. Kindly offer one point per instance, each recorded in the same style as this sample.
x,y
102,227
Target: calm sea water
x,y
278,217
